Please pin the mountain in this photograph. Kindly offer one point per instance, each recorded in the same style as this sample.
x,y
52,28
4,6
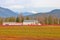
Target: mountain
x,y
55,12
4,12
27,13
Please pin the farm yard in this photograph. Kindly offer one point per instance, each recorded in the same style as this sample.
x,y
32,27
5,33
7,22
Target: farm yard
x,y
48,32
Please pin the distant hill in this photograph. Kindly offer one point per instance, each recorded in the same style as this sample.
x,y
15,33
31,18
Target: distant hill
x,y
27,13
4,12
55,12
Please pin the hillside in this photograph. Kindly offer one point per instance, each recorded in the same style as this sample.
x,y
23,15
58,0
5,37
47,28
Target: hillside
x,y
55,12
4,12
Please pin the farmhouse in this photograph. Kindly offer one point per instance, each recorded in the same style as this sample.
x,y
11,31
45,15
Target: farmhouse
x,y
31,22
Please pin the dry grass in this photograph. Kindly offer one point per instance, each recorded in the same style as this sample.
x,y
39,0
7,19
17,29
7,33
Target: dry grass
x,y
29,32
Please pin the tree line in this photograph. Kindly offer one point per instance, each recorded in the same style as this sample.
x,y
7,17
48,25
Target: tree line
x,y
43,19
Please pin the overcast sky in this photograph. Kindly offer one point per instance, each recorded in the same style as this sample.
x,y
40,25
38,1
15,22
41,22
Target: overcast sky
x,y
30,5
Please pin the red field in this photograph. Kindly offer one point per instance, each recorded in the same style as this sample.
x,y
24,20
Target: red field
x,y
27,38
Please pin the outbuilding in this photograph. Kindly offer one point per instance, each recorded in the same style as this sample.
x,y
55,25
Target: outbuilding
x,y
11,23
31,22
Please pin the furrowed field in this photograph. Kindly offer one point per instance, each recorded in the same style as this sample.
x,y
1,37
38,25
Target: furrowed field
x,y
30,32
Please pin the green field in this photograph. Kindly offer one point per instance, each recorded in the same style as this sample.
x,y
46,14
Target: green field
x,y
34,31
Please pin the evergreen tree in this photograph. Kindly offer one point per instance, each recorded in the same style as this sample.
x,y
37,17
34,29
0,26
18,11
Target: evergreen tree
x,y
17,19
27,18
50,19
56,20
46,20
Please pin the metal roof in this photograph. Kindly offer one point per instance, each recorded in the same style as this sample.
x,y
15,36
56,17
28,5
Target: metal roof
x,y
29,20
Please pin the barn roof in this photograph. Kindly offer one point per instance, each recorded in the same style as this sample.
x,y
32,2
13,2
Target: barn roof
x,y
29,20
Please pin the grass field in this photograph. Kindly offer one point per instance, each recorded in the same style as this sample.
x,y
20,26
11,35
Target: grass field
x,y
30,32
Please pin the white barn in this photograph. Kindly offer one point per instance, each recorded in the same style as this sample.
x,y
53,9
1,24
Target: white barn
x,y
31,22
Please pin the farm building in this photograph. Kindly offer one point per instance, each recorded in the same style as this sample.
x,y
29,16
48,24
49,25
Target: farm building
x,y
25,22
31,22
11,23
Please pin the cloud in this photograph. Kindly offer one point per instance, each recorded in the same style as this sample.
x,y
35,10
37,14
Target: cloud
x,y
44,3
16,6
34,12
30,4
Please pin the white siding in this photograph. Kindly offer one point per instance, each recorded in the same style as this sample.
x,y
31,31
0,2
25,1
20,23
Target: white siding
x,y
11,23
31,22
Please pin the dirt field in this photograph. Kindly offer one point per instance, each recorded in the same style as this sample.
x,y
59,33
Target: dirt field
x,y
49,32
